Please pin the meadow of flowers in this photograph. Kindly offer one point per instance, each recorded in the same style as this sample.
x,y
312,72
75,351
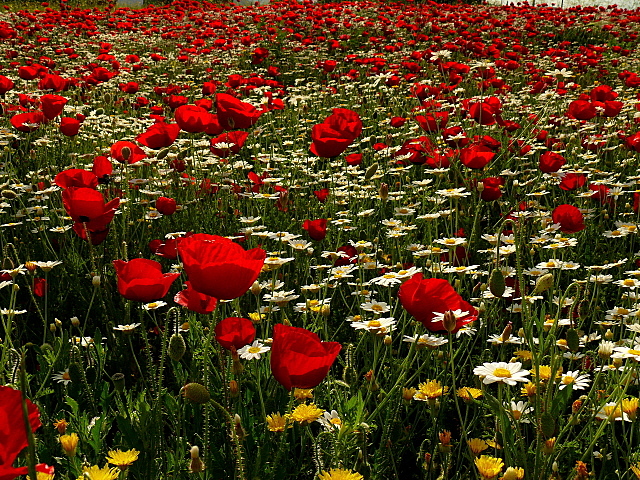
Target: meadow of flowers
x,y
307,240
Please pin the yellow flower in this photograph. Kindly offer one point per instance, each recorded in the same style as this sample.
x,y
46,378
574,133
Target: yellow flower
x,y
96,473
489,467
523,355
61,426
42,476
69,443
408,393
430,390
306,413
122,459
468,393
545,372
477,445
630,407
636,470
302,394
339,474
529,389
513,473
276,422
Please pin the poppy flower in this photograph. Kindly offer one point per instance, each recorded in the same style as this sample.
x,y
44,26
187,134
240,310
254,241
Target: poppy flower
x,y
52,105
218,267
142,280
159,135
317,229
52,82
69,127
424,297
86,205
571,181
299,359
433,122
491,190
322,194
581,110
192,118
228,143
354,159
234,113
476,156
327,142
76,177
28,121
127,152
102,168
551,162
166,206
14,437
6,84
195,301
569,218
235,332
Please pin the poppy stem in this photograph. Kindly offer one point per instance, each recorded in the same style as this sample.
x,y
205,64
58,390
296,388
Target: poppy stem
x,y
31,448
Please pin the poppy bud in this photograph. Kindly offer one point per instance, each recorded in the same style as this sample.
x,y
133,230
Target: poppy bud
x,y
371,171
256,288
118,382
497,283
75,321
95,280
8,194
384,191
177,347
239,430
196,393
234,389
506,333
196,465
544,283
449,321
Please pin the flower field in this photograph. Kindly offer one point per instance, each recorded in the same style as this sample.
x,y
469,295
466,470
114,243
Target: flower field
x,y
333,241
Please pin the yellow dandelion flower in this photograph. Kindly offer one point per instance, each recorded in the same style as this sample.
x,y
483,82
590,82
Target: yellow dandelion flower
x,y
408,393
42,476
523,355
529,390
636,470
306,413
61,426
493,444
122,459
339,474
276,422
96,473
468,393
430,390
545,372
477,445
488,467
69,444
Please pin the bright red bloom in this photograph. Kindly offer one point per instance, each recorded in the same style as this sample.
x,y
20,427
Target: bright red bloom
x,y
486,112
195,301
228,143
476,156
569,217
581,110
235,114
69,126
76,177
6,84
235,332
433,122
397,122
354,159
142,280
299,359
127,152
40,287
28,121
421,297
102,168
166,206
159,135
317,229
52,105
331,137
491,190
13,438
86,205
571,181
322,194
551,162
52,82
193,119
218,267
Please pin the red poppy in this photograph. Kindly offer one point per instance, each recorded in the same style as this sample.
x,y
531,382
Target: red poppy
x,y
423,297
192,118
6,84
40,287
551,162
166,206
317,229
52,105
218,267
433,122
397,122
76,177
159,135
569,217
227,143
571,181
581,110
127,152
235,114
102,168
354,159
235,332
322,194
28,121
69,126
486,112
52,82
299,359
86,205
195,301
142,280
476,156
331,137
491,190
14,437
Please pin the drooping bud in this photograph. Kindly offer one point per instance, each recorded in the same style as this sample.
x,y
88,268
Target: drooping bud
x,y
196,393
383,191
544,283
234,389
371,171
506,333
177,347
497,284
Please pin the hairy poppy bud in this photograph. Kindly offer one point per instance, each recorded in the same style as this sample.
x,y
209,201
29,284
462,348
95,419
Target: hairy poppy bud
x,y
196,393
544,283
177,347
497,284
